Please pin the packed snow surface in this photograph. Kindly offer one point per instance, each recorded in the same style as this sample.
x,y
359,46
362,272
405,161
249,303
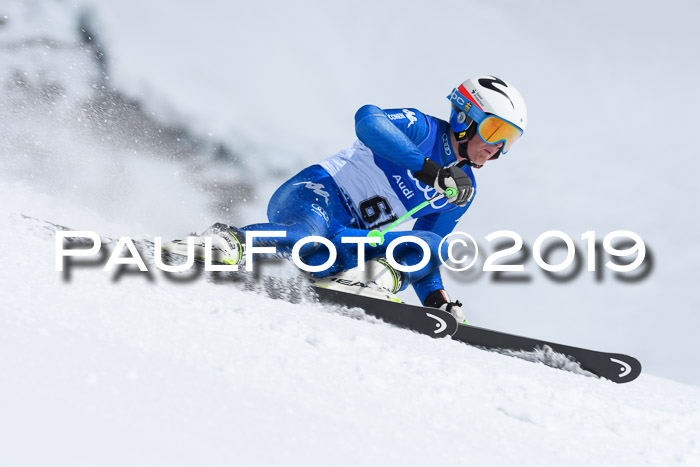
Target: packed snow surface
x,y
133,369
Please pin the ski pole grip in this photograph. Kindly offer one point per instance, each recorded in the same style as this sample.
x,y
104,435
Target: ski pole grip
x,y
450,192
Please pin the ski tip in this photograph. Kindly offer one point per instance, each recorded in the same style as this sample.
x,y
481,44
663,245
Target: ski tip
x,y
623,368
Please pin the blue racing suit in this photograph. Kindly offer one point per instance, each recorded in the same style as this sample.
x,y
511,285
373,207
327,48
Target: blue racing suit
x,y
367,186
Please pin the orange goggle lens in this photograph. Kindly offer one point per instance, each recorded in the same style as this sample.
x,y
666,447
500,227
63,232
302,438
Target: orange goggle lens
x,y
494,130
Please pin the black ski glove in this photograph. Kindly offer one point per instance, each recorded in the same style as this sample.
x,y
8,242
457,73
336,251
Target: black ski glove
x,y
442,178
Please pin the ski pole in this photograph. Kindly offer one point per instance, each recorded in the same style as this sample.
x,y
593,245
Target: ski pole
x,y
449,192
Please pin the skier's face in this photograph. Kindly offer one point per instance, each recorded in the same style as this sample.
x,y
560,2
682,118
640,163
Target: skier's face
x,y
479,151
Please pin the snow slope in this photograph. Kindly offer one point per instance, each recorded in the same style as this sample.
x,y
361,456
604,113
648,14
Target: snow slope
x,y
138,371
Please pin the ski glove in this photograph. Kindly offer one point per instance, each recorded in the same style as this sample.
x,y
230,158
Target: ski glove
x,y
440,299
456,309
442,178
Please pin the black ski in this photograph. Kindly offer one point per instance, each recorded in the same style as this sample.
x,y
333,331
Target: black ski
x,y
618,368
428,321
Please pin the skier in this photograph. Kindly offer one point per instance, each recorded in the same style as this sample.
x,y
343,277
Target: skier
x,y
402,157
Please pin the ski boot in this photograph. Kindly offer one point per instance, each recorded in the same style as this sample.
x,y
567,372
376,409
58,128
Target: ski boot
x,y
379,280
227,245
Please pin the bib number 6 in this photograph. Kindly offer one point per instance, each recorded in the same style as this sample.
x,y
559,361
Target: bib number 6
x,y
373,209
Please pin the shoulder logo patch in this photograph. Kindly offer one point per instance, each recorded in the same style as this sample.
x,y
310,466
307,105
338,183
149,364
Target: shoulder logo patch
x,y
411,116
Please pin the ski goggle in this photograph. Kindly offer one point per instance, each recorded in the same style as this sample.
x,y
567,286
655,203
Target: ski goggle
x,y
492,129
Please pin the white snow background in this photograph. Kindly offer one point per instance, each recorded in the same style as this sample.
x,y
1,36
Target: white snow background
x,y
137,371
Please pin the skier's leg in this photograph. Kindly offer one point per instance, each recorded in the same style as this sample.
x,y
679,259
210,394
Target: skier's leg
x,y
307,204
378,270
411,253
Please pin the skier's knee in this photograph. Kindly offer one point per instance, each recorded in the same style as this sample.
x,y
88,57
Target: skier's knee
x,y
435,244
411,252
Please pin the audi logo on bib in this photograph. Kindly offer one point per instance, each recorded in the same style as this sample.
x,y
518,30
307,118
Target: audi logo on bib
x,y
428,192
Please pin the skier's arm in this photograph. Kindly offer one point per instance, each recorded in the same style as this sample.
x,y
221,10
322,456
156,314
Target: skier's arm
x,y
387,140
400,140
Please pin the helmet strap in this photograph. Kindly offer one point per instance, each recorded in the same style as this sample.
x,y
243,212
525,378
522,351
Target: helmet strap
x,y
462,149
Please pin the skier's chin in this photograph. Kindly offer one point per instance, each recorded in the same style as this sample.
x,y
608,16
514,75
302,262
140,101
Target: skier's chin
x,y
480,161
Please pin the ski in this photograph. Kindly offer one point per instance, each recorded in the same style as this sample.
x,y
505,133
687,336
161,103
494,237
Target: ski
x,y
616,367
429,321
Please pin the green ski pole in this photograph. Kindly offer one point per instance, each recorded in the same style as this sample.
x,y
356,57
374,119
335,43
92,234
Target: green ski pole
x,y
449,192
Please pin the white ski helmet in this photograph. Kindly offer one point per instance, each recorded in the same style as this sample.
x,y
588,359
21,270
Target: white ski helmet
x,y
481,97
